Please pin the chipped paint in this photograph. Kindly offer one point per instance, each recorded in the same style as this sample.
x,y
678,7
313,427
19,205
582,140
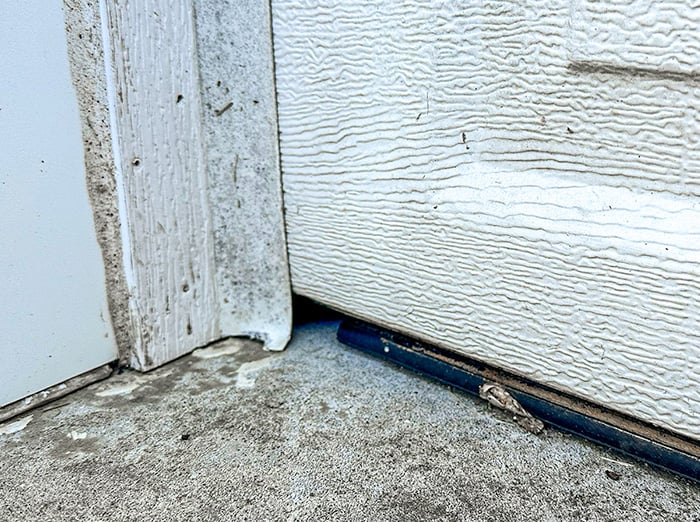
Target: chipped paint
x,y
14,427
230,347
248,372
120,389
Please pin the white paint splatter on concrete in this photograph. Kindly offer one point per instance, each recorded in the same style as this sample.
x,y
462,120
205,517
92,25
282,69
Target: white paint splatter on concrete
x,y
14,427
231,347
120,389
248,372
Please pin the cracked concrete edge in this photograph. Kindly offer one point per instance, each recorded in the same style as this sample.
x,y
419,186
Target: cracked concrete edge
x,y
87,65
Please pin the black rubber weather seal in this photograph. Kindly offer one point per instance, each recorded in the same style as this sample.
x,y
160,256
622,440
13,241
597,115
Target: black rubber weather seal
x,y
622,433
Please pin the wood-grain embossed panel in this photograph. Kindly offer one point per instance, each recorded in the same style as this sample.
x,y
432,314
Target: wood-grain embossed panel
x,y
517,181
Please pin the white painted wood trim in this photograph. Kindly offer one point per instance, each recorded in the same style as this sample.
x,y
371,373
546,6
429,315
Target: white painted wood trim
x,y
234,42
153,85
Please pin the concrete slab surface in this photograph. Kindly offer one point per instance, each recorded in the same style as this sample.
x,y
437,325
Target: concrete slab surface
x,y
319,432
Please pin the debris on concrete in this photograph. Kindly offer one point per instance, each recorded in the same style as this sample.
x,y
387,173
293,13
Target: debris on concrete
x,y
326,433
613,475
497,395
229,346
248,372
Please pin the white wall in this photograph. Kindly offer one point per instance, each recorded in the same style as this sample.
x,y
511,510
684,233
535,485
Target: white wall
x,y
53,313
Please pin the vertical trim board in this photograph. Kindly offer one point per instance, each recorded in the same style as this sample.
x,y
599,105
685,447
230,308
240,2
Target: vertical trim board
x,y
239,116
160,153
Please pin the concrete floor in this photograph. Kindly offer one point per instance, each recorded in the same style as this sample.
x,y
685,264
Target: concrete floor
x,y
319,432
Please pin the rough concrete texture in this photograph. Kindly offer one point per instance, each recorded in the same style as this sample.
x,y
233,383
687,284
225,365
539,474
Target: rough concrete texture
x,y
319,432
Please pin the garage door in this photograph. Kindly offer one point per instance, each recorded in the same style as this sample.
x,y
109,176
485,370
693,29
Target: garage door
x,y
515,181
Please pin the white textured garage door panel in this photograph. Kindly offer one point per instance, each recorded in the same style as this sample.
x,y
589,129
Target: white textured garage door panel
x,y
517,181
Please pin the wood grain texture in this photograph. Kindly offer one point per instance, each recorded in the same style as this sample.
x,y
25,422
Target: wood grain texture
x,y
234,45
652,35
457,172
160,165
